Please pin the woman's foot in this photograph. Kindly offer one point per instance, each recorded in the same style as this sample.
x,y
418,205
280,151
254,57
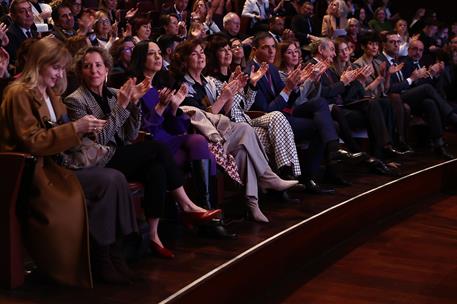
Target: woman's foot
x,y
160,251
271,181
190,218
254,211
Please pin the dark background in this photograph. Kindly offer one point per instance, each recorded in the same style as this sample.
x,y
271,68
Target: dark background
x,y
446,10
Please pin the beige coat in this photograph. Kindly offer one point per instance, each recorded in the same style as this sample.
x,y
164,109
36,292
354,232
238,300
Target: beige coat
x,y
329,25
56,233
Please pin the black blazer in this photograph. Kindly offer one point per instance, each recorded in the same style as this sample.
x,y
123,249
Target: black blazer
x,y
16,37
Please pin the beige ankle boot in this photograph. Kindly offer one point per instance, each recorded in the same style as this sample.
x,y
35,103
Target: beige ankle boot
x,y
254,211
272,181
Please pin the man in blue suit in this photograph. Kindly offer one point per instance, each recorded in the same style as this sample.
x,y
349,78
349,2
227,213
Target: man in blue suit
x,y
314,123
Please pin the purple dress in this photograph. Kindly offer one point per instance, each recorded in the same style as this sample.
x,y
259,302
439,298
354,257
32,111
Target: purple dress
x,y
172,131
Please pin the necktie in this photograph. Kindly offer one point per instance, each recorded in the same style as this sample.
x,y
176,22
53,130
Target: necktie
x,y
399,73
417,64
270,81
28,34
310,28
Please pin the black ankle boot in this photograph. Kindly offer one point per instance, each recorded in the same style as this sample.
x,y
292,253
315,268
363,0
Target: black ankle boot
x,y
202,182
103,268
118,261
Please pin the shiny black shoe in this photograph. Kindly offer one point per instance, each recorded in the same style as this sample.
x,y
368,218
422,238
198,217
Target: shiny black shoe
x,y
314,188
405,148
216,230
443,153
343,155
337,181
379,167
390,152
285,197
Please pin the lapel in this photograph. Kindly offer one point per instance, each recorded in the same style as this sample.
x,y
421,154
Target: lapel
x,y
58,106
92,104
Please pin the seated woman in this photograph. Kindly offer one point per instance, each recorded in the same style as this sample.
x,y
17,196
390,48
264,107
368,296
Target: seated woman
x,y
333,23
200,13
374,111
149,162
272,128
104,31
240,139
34,120
168,124
141,29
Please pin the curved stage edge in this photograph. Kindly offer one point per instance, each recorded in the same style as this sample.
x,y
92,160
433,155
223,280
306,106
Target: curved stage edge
x,y
262,266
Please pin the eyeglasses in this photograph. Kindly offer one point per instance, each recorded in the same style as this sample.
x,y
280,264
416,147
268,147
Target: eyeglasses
x,y
236,46
394,41
127,49
224,50
104,21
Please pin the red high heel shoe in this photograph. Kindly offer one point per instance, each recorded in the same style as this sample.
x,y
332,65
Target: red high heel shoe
x,y
160,251
190,218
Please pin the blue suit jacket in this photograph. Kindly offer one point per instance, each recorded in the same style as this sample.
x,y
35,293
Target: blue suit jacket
x,y
266,100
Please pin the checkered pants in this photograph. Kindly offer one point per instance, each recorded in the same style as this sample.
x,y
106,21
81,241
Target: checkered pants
x,y
277,137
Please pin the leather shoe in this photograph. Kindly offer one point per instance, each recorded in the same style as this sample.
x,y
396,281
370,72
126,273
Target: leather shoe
x,y
215,229
342,155
285,197
379,167
160,251
405,148
314,188
390,152
442,152
337,181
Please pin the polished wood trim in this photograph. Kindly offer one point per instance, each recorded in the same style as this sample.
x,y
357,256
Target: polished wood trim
x,y
254,270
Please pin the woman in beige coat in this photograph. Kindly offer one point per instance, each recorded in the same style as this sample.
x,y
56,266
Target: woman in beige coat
x,y
333,23
33,120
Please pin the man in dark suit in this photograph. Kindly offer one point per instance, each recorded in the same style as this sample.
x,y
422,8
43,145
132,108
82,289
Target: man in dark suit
x,y
179,8
303,24
21,28
314,122
368,114
414,61
422,98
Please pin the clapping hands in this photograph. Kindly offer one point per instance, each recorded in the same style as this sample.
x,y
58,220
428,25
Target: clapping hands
x,y
131,93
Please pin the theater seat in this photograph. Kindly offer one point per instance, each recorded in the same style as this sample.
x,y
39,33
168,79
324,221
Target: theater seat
x,y
15,180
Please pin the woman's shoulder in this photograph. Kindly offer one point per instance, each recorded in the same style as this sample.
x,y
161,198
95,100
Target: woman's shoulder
x,y
18,90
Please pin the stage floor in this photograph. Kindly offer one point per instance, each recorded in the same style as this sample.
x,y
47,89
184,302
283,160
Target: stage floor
x,y
196,256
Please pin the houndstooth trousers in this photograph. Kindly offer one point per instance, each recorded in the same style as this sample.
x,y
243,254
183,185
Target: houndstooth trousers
x,y
273,130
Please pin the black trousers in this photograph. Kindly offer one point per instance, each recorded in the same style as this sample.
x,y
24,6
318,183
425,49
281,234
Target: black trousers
x,y
369,115
151,163
425,100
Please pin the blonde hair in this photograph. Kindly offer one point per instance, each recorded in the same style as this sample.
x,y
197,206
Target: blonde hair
x,y
46,51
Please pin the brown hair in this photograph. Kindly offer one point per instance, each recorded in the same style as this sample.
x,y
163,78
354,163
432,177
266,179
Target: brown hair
x,y
79,59
47,51
178,66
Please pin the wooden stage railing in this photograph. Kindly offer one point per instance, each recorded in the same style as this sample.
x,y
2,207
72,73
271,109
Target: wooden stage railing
x,y
262,266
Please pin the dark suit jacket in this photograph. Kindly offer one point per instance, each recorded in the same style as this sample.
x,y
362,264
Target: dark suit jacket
x,y
396,84
331,85
16,37
266,100
301,28
410,66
